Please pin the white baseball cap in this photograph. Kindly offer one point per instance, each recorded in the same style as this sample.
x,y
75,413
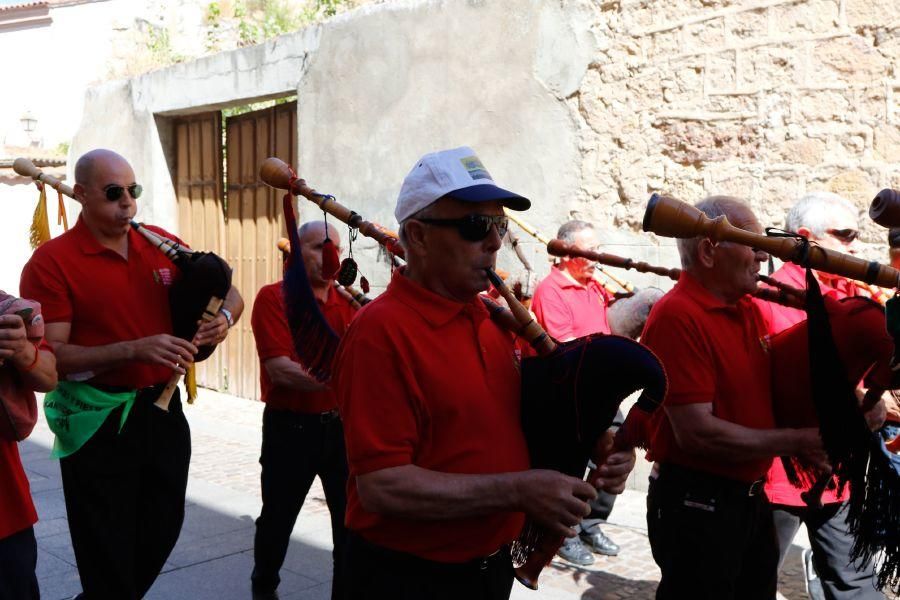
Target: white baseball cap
x,y
457,173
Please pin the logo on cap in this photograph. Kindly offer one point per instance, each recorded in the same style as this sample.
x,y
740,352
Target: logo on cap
x,y
474,168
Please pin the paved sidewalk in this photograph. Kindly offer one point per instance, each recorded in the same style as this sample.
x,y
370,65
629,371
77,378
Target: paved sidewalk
x,y
214,555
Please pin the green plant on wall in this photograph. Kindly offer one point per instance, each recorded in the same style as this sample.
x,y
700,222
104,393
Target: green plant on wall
x,y
160,46
255,21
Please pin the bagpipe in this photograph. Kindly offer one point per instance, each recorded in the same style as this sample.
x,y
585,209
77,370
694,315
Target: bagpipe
x,y
817,366
570,391
885,208
353,296
604,278
196,295
627,315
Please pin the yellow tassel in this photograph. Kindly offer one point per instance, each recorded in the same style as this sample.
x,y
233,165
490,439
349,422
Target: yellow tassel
x,y
40,224
61,213
190,383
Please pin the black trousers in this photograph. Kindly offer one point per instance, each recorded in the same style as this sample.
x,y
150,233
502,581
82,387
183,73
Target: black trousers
x,y
710,538
295,448
603,504
18,560
125,498
831,544
375,572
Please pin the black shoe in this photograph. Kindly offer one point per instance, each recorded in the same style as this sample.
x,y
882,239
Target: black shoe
x,y
597,541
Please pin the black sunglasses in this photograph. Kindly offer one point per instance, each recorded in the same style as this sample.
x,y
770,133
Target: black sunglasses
x,y
114,192
846,236
473,228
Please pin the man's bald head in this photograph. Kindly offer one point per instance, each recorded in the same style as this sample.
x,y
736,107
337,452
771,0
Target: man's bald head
x,y
312,238
107,215
314,232
90,162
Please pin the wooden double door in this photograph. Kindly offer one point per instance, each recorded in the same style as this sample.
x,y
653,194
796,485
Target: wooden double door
x,y
223,207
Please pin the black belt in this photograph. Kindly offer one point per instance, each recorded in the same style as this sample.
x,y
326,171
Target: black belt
x,y
410,561
733,486
324,417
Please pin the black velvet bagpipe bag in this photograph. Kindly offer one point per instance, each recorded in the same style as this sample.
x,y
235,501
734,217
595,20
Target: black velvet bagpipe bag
x,y
570,397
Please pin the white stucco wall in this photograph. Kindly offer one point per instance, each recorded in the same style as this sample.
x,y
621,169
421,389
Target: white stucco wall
x,y
50,67
18,201
377,88
388,85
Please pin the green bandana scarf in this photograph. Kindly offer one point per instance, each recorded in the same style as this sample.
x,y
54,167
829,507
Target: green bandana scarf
x,y
75,411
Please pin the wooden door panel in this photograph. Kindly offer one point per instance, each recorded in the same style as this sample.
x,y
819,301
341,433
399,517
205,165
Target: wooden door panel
x,y
254,224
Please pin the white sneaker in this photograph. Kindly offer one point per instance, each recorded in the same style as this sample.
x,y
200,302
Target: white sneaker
x,y
811,578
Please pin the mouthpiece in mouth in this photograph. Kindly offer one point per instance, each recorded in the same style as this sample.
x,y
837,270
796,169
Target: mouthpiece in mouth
x,y
495,279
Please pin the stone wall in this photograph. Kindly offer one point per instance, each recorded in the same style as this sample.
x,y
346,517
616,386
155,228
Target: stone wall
x,y
587,106
766,100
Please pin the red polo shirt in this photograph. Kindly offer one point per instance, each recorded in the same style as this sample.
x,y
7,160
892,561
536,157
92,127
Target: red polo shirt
x,y
16,508
428,381
567,309
713,354
273,339
778,488
105,297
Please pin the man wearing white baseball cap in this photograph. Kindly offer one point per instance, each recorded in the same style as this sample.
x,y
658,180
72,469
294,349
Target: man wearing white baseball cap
x,y
428,389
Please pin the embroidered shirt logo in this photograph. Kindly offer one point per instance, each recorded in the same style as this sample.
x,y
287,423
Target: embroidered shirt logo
x,y
474,168
163,276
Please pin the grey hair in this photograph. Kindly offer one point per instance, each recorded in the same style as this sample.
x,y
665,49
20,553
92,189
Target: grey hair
x,y
568,230
712,207
422,213
814,210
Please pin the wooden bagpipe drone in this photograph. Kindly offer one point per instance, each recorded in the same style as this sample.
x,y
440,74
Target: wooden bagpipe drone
x,y
817,366
628,314
196,294
570,391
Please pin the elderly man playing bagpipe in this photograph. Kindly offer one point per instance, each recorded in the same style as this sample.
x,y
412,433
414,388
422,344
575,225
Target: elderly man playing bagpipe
x,y
27,365
104,289
571,303
830,221
709,522
429,391
302,433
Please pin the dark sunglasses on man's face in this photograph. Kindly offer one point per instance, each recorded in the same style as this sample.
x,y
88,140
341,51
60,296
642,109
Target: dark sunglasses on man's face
x,y
473,228
114,192
845,236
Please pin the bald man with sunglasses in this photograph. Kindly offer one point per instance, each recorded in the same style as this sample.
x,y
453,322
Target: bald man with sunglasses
x,y
104,292
429,390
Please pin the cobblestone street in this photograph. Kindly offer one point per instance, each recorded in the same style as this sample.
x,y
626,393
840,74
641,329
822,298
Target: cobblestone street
x,y
213,558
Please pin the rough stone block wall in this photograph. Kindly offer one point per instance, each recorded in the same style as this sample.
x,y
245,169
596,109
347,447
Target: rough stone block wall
x,y
763,99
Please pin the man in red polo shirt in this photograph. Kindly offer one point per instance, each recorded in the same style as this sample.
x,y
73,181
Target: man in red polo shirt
x,y
124,461
28,366
428,388
302,433
709,522
570,303
830,221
